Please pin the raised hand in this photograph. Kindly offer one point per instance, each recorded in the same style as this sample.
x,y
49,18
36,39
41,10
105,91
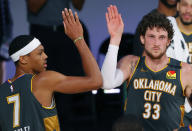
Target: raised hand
x,y
72,25
114,23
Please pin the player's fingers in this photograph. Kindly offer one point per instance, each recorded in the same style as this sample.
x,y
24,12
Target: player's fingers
x,y
109,13
64,18
67,15
71,16
77,17
107,17
116,13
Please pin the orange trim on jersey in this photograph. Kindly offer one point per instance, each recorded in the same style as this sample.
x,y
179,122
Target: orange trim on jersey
x,y
15,79
181,81
9,81
158,70
182,108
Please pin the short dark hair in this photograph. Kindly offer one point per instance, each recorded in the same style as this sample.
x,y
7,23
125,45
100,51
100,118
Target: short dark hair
x,y
155,19
128,123
19,42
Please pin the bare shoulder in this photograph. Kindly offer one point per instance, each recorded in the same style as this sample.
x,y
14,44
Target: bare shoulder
x,y
128,60
127,65
186,73
186,67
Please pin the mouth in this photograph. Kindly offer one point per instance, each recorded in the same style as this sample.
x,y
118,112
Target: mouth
x,y
187,16
156,48
45,65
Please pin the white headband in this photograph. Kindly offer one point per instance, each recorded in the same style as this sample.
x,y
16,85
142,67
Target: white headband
x,y
25,50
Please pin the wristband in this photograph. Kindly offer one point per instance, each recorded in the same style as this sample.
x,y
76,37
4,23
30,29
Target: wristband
x,y
79,38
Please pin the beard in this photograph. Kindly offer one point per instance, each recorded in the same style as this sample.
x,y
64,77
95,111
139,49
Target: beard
x,y
185,23
155,57
168,5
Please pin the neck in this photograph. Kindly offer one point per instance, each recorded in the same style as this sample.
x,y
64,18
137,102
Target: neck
x,y
156,64
187,29
20,71
166,11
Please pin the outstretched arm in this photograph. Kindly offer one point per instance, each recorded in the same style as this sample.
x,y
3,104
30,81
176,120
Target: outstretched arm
x,y
112,77
57,82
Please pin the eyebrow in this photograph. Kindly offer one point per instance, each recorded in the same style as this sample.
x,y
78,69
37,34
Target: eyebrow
x,y
41,50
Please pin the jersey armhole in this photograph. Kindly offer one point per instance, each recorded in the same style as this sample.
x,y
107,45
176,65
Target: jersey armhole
x,y
181,81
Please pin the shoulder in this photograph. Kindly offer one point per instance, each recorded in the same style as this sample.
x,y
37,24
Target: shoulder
x,y
127,65
186,73
128,62
129,59
185,67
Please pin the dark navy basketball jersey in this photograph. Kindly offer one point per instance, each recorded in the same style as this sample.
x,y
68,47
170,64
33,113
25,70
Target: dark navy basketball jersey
x,y
20,110
156,97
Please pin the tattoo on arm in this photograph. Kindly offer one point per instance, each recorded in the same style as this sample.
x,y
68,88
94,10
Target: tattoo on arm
x,y
132,66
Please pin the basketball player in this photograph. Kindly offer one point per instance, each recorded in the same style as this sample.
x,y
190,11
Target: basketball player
x,y
157,84
26,100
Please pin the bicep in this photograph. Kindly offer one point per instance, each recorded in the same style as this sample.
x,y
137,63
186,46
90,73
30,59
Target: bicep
x,y
57,82
73,84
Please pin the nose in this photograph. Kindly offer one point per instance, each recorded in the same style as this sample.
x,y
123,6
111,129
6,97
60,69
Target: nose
x,y
156,42
45,55
189,9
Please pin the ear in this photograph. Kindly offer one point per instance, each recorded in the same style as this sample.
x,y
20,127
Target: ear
x,y
142,39
169,42
23,59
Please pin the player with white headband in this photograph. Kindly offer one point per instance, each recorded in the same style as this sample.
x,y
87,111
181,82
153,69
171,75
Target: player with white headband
x,y
26,100
26,50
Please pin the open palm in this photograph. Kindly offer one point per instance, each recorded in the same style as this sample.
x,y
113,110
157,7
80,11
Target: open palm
x,y
114,21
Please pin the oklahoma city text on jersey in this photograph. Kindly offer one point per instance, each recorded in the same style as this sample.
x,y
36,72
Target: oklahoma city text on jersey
x,y
156,85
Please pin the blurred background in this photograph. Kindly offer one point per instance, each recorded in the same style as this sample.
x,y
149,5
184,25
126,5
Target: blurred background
x,y
96,110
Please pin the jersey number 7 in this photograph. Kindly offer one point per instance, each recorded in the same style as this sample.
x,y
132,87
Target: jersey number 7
x,y
15,99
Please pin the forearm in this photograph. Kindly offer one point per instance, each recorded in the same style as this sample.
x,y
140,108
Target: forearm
x,y
115,40
89,63
112,77
35,5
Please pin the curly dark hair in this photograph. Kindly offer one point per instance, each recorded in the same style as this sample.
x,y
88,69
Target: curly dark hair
x,y
155,19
